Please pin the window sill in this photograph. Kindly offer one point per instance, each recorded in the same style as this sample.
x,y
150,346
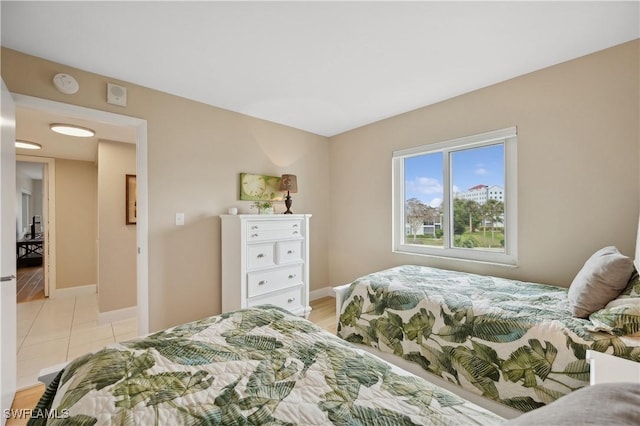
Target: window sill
x,y
486,258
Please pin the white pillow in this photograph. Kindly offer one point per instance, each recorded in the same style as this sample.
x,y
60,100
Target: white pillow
x,y
602,278
621,317
627,301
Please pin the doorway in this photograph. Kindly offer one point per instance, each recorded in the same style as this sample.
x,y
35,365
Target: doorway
x,y
31,214
140,127
139,130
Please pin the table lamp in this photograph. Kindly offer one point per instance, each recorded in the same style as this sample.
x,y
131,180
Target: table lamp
x,y
288,183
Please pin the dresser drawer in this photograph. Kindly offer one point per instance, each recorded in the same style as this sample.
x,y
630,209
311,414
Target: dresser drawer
x,y
273,230
289,251
261,282
290,299
260,255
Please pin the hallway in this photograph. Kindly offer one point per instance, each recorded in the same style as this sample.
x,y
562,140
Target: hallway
x,y
53,331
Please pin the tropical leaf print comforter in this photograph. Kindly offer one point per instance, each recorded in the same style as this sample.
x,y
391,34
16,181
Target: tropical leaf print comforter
x,y
256,366
509,341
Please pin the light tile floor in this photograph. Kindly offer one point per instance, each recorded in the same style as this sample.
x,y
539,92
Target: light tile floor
x,y
53,331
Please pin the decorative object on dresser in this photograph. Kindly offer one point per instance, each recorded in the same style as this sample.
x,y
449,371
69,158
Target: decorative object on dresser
x,y
260,187
263,207
288,183
265,260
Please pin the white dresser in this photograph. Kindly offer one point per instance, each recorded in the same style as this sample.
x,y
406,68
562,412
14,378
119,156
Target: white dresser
x,y
265,260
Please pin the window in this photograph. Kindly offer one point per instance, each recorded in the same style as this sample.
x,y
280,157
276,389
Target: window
x,y
465,191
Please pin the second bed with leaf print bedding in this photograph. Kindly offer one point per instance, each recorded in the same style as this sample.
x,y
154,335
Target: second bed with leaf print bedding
x,y
513,343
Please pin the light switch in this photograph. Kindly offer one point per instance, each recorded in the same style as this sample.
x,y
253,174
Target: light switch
x,y
179,219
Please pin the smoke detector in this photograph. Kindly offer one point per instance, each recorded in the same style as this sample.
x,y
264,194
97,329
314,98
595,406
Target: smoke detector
x,y
65,84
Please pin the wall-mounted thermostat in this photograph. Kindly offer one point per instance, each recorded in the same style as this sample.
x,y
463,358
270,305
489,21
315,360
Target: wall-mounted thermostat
x,y
116,95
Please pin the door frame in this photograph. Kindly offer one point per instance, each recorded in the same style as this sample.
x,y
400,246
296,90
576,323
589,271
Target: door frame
x,y
8,325
142,226
49,219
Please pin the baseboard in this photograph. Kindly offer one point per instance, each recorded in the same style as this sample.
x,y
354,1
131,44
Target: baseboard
x,y
47,374
76,291
321,292
117,315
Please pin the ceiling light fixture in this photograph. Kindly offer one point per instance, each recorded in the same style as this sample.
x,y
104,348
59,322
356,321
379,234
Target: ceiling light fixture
x,y
27,145
72,130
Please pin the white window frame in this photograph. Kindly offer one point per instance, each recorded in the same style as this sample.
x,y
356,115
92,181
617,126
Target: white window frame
x,y
509,138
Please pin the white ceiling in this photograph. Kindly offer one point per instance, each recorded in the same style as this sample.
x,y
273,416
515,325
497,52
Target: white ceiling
x,y
324,67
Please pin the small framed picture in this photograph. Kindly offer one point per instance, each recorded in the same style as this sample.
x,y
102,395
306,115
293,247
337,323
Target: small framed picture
x,y
131,200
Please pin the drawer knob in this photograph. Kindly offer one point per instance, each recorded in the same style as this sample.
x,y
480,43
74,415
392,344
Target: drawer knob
x,y
295,232
292,276
263,282
291,251
291,299
254,235
254,227
295,225
260,255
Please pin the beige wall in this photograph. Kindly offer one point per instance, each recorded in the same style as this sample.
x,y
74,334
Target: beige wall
x,y
116,239
195,154
578,150
76,223
578,173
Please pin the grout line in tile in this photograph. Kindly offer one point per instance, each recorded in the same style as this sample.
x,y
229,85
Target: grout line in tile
x,y
31,326
75,303
75,314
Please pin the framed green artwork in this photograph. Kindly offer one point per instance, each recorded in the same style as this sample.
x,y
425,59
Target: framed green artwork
x,y
260,187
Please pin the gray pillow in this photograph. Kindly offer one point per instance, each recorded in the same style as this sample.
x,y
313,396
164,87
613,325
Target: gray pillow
x,y
604,404
600,280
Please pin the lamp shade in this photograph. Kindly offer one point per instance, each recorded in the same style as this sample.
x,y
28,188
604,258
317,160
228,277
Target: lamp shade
x,y
289,183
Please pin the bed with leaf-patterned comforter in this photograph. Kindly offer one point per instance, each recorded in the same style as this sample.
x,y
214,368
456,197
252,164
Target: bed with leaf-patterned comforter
x,y
513,342
254,366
